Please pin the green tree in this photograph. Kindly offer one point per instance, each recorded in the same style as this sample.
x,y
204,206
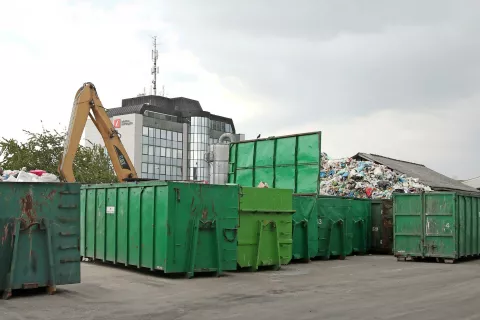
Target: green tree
x,y
43,151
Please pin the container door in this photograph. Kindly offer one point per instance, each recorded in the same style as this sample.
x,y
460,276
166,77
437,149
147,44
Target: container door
x,y
205,219
376,225
334,231
386,234
361,225
305,238
440,225
408,225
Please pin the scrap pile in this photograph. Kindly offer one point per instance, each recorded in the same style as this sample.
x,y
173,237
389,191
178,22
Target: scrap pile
x,y
348,177
24,176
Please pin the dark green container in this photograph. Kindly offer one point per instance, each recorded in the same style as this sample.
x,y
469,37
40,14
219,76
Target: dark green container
x,y
287,162
39,235
265,231
170,226
327,226
442,225
305,227
335,227
362,224
382,226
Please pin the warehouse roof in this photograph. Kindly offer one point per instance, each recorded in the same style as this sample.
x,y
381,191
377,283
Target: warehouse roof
x,y
427,176
474,182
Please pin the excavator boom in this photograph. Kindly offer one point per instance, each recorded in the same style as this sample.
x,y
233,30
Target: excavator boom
x,y
87,104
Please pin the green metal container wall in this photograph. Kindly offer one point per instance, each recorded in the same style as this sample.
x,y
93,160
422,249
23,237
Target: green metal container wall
x,y
288,162
382,226
361,224
438,225
265,231
39,235
305,227
335,227
175,227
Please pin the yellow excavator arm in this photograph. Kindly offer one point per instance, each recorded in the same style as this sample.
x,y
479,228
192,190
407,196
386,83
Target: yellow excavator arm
x,y
87,104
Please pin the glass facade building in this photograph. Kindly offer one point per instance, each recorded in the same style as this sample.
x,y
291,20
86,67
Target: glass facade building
x,y
198,138
166,139
162,154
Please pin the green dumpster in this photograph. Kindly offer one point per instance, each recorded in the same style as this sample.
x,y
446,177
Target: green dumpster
x,y
174,227
286,162
305,227
362,224
443,225
334,227
265,231
39,235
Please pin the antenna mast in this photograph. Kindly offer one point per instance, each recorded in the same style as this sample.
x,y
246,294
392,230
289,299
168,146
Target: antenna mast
x,y
154,68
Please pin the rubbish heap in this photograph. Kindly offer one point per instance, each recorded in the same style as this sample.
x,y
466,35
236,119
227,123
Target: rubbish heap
x,y
348,177
24,176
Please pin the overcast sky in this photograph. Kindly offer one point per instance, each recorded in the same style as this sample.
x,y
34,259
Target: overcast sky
x,y
396,78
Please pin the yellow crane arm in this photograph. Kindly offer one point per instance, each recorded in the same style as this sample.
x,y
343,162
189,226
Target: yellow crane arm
x,y
87,104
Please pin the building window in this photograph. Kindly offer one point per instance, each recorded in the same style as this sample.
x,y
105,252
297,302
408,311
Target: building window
x,y
199,137
160,155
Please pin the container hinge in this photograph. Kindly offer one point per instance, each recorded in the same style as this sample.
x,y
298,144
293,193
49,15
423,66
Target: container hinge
x,y
67,247
67,234
233,230
66,220
69,260
177,194
74,206
69,192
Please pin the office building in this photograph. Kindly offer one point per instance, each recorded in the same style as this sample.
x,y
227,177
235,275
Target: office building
x,y
165,138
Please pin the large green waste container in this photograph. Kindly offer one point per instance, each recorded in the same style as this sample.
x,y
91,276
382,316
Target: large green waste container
x,y
288,162
39,235
265,231
305,227
171,226
382,226
436,225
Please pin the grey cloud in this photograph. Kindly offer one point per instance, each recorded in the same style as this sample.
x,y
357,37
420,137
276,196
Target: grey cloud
x,y
338,60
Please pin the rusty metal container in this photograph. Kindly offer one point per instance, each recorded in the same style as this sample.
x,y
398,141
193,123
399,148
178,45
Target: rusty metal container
x,y
382,226
39,235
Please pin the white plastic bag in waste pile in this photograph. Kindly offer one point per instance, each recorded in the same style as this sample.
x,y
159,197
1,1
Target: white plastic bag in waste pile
x,y
26,177
23,176
11,179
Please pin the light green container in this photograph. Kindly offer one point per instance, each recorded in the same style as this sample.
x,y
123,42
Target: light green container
x,y
287,162
39,235
170,226
305,227
442,225
265,231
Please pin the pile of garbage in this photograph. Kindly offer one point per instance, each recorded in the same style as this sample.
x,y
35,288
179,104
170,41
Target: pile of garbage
x,y
348,177
24,176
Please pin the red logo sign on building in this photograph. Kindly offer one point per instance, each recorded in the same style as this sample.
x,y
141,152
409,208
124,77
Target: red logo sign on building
x,y
117,123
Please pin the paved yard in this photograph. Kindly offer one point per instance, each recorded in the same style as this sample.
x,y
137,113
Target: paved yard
x,y
368,287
